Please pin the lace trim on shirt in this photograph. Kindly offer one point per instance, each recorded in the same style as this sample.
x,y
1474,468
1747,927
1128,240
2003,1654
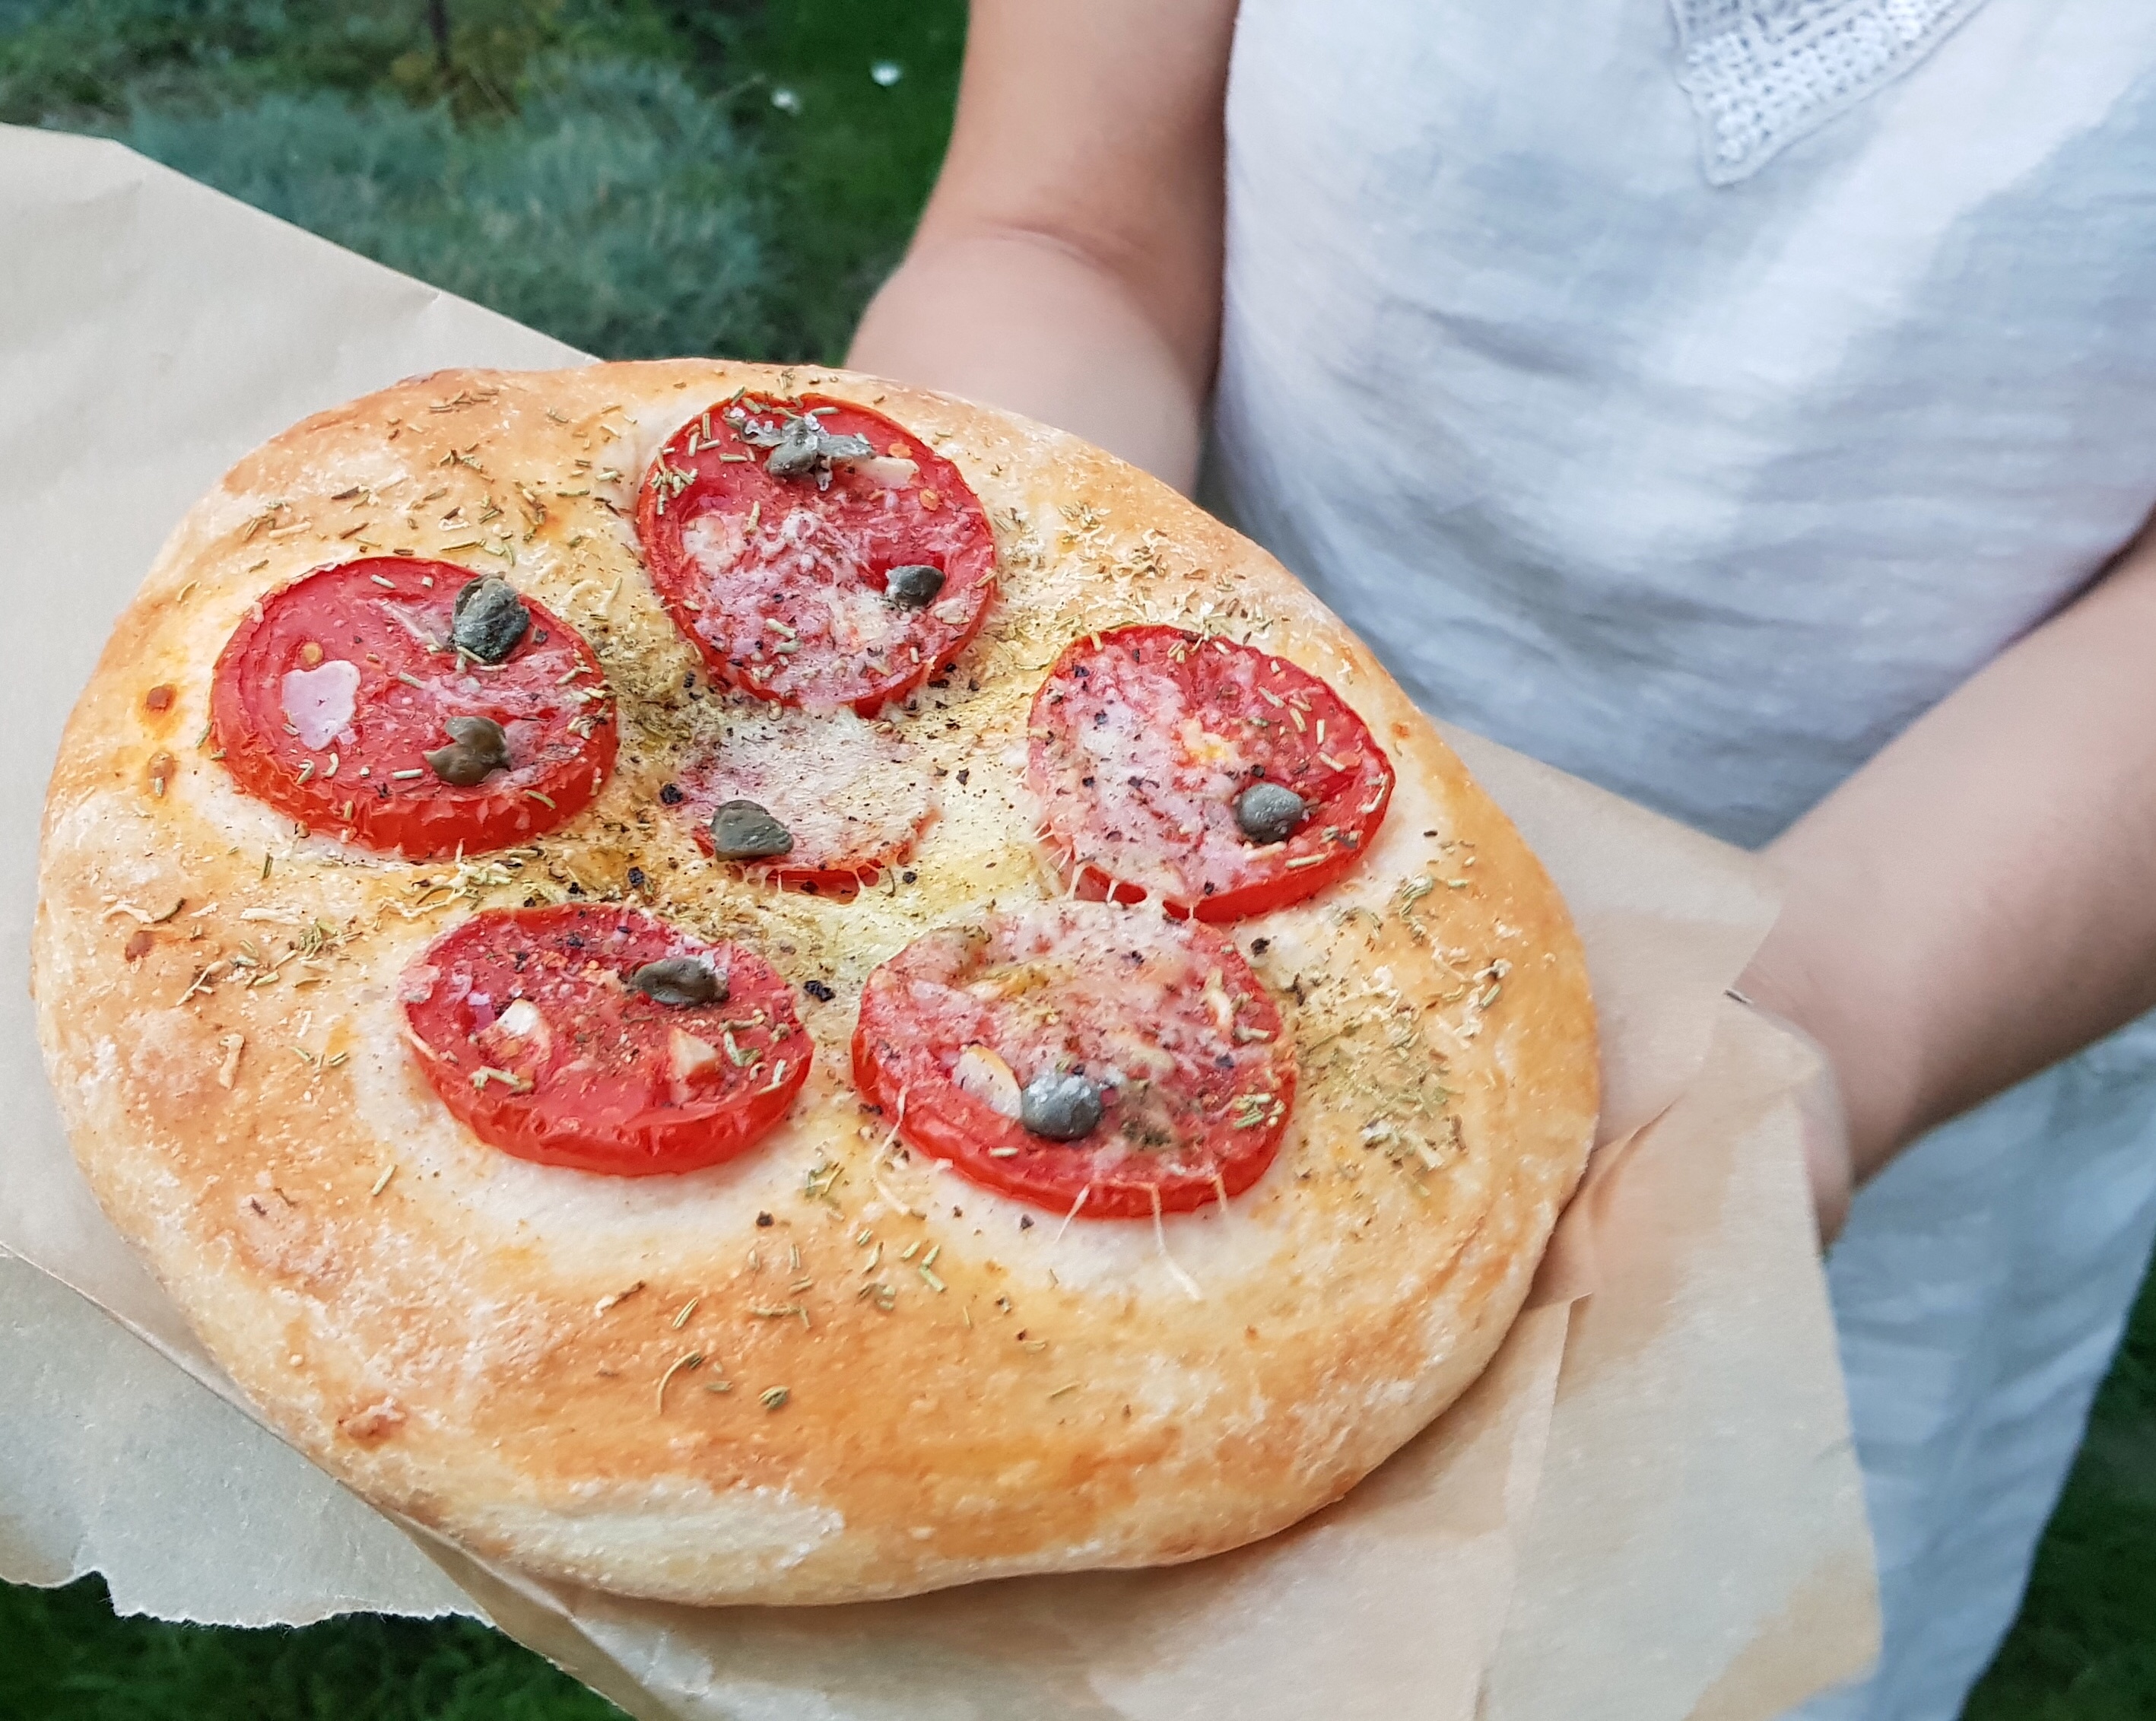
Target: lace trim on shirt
x,y
1763,74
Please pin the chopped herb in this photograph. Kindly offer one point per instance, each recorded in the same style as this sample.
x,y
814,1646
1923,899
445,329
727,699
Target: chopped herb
x,y
694,1359
489,619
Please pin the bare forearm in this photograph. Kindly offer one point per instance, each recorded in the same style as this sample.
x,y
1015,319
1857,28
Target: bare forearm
x,y
1980,899
1023,322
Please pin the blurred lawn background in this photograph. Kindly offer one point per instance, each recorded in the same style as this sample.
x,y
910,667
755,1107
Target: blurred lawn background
x,y
642,177
636,176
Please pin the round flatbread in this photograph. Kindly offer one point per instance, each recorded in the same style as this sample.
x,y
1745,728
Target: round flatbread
x,y
868,1347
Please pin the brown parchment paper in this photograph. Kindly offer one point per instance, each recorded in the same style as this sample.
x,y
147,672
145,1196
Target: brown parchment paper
x,y
1646,1509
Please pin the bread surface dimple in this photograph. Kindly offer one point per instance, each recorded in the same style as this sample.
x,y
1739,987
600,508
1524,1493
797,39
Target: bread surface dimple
x,y
749,1384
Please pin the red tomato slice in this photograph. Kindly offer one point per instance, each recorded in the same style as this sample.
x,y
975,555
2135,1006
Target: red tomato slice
x,y
1194,1072
328,697
781,582
853,795
1143,738
529,1029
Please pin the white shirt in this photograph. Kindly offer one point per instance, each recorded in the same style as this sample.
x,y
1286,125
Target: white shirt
x,y
1691,392
1703,492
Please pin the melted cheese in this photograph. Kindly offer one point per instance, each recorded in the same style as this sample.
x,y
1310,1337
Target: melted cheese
x,y
521,1020
318,702
805,574
851,793
983,1074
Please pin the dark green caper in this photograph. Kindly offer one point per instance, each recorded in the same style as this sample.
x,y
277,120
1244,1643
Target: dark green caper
x,y
913,587
488,619
680,981
742,831
477,747
1063,1108
1268,812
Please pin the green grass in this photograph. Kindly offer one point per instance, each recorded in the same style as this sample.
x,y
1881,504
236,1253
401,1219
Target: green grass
x,y
636,176
854,160
641,177
614,209
2084,1648
65,1657
85,63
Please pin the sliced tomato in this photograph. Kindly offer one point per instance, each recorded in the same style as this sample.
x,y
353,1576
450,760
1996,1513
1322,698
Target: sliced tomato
x,y
527,1025
328,698
1184,1050
784,582
1145,739
853,795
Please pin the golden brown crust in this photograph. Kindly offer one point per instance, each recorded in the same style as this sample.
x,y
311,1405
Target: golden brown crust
x,y
497,1348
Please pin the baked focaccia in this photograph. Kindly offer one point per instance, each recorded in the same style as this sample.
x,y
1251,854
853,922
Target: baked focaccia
x,y
757,986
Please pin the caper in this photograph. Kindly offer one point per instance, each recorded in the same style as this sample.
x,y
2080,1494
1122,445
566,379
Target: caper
x,y
1268,812
488,619
477,747
802,447
913,587
1063,1108
680,981
796,451
742,831
760,435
